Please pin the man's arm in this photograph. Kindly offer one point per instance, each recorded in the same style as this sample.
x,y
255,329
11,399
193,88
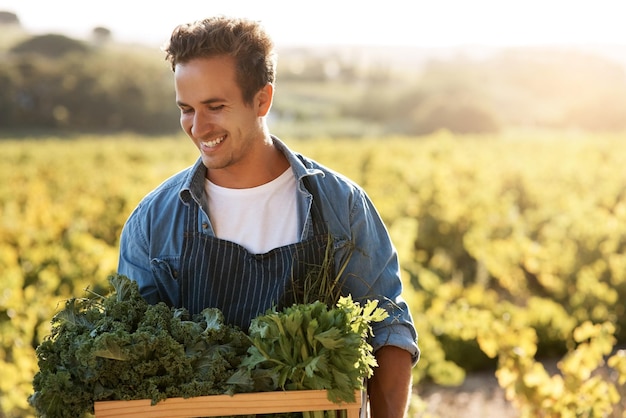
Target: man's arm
x,y
389,388
134,257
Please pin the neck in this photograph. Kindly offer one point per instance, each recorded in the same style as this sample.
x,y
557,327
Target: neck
x,y
268,164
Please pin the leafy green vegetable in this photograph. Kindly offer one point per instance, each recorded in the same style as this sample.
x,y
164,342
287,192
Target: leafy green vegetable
x,y
312,346
120,347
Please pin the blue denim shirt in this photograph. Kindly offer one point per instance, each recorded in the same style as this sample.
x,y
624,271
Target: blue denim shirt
x,y
152,238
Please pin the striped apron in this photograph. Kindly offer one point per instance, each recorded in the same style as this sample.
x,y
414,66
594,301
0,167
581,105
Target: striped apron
x,y
222,274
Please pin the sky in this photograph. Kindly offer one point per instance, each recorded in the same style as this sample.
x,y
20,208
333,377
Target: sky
x,y
421,23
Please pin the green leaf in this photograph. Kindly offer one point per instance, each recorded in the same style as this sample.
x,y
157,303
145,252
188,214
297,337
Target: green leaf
x,y
311,365
311,329
331,339
109,348
255,357
242,378
214,319
293,321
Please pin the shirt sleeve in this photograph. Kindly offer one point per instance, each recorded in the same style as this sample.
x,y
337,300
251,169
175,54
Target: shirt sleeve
x,y
134,258
373,272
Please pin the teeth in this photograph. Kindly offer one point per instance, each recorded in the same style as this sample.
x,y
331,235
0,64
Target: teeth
x,y
214,142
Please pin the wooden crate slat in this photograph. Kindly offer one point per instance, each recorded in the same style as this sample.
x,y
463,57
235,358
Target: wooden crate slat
x,y
220,405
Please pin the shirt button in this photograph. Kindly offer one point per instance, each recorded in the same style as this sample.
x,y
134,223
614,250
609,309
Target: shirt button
x,y
205,225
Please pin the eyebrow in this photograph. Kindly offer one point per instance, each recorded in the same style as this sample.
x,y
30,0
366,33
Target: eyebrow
x,y
204,102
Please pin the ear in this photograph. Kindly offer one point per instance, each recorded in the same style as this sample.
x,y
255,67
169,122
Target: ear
x,y
263,100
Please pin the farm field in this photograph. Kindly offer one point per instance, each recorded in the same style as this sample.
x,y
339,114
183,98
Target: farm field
x,y
513,250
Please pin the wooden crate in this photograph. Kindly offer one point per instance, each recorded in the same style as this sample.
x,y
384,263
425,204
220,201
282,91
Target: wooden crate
x,y
223,405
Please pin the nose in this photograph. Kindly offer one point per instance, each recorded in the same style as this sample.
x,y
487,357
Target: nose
x,y
201,124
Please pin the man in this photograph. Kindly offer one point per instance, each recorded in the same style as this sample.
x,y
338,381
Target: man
x,y
234,230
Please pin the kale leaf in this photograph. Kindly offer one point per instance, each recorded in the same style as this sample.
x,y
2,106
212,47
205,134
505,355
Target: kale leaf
x,y
119,347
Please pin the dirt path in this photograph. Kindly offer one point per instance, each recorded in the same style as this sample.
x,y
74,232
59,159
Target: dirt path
x,y
478,397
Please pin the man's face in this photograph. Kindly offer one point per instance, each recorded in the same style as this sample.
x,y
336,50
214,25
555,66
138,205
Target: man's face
x,y
213,114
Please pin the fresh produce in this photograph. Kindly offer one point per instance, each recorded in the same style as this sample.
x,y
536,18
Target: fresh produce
x,y
120,348
312,346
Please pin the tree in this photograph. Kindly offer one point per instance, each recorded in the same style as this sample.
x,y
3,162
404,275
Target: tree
x,y
50,45
461,118
9,18
101,35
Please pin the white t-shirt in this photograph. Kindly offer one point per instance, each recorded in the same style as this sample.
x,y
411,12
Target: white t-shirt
x,y
260,218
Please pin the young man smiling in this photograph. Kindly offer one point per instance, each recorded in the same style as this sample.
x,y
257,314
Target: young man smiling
x,y
235,230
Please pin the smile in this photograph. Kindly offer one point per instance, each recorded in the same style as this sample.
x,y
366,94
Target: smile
x,y
211,144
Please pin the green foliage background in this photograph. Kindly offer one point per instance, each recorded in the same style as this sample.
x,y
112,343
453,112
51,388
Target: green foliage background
x,y
512,249
54,83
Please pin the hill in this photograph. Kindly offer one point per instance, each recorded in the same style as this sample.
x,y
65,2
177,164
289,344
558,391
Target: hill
x,y
348,91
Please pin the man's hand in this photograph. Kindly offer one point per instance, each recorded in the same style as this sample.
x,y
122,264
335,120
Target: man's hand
x,y
389,388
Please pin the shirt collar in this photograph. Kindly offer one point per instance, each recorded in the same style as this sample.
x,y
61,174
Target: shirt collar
x,y
193,186
301,166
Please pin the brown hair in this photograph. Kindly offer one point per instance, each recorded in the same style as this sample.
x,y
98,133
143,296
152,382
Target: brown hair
x,y
244,40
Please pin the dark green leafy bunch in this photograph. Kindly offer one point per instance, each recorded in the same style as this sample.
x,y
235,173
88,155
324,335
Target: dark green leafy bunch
x,y
312,346
119,347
